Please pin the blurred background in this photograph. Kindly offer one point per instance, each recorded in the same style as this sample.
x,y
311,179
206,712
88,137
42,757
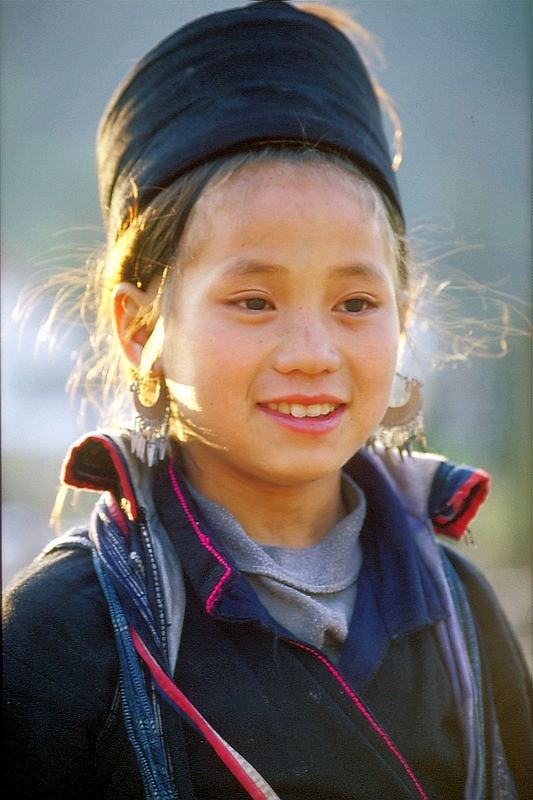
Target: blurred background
x,y
459,72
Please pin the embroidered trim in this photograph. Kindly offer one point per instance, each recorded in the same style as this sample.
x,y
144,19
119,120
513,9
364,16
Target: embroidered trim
x,y
204,540
141,720
367,715
73,476
465,503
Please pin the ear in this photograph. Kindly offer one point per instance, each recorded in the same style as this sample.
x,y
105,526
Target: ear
x,y
130,304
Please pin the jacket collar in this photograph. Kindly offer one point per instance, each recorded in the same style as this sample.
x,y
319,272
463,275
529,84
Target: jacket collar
x,y
404,498
428,486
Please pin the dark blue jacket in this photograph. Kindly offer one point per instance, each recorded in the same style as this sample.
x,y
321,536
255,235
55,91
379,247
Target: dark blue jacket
x,y
382,723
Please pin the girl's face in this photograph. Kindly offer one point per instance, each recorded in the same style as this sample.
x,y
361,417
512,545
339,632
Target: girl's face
x,y
283,329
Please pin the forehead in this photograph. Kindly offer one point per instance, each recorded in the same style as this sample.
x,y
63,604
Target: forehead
x,y
264,199
261,179
288,223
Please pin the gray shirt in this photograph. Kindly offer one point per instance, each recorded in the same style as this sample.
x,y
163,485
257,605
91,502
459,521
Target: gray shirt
x,y
310,591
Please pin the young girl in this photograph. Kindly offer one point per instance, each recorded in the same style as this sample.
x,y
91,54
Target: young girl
x,y
259,606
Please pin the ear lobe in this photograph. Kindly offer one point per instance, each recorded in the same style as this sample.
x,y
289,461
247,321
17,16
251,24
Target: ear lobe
x,y
129,302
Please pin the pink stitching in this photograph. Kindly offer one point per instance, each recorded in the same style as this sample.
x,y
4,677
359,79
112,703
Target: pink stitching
x,y
204,540
351,694
367,715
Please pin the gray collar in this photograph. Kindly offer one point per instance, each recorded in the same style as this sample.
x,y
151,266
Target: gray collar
x,y
326,567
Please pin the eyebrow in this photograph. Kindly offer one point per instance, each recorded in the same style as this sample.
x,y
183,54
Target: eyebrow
x,y
358,270
241,268
244,267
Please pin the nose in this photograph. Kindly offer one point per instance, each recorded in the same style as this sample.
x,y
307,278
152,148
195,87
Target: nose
x,y
307,346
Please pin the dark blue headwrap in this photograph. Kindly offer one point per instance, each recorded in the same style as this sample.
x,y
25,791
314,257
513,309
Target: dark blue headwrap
x,y
234,80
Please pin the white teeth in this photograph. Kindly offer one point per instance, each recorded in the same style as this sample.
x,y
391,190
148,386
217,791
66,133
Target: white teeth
x,y
299,410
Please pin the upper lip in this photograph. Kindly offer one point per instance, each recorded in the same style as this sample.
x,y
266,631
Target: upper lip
x,y
305,400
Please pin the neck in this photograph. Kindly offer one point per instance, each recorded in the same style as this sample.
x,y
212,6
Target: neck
x,y
285,516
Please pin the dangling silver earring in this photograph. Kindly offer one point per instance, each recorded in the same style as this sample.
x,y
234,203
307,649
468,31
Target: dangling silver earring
x,y
150,435
402,427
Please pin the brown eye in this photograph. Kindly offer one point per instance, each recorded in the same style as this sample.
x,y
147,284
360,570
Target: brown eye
x,y
354,305
255,303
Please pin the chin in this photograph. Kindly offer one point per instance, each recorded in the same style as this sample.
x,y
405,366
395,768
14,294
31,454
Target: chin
x,y
295,472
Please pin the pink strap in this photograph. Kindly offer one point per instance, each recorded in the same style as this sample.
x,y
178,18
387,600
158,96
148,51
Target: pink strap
x,y
242,770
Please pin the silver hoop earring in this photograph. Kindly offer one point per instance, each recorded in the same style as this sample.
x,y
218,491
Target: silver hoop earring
x,y
150,435
402,427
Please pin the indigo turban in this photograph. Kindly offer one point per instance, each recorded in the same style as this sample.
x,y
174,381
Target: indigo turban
x,y
230,81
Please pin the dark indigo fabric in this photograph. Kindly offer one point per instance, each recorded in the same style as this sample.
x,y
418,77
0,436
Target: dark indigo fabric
x,y
233,80
277,703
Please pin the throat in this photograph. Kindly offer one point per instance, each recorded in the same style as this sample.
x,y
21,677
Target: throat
x,y
281,516
295,524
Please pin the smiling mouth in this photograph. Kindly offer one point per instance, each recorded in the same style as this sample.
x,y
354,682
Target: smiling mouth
x,y
299,410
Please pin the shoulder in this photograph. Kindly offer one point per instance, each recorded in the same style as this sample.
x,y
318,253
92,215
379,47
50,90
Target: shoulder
x,y
502,650
508,676
60,697
492,624
489,615
58,583
56,624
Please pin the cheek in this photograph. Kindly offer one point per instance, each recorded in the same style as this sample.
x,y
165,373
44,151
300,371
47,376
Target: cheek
x,y
382,346
209,358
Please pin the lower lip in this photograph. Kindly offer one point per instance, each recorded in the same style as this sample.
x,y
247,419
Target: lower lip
x,y
310,425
